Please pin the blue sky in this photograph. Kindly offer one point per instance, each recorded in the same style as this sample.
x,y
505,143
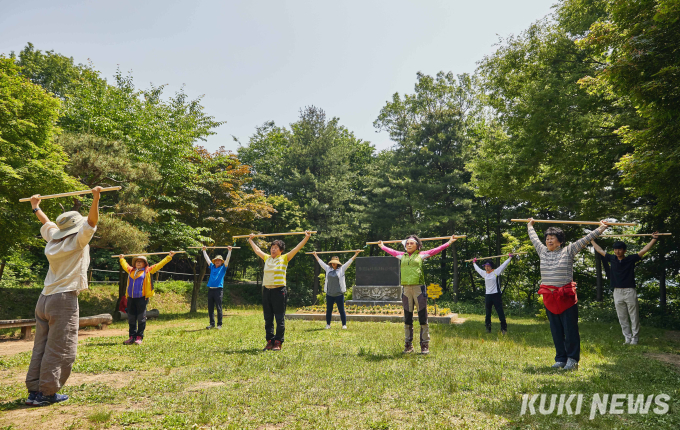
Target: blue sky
x,y
256,61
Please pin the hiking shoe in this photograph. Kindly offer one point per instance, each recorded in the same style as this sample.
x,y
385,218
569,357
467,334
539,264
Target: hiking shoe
x,y
424,348
571,364
219,327
328,326
633,342
504,332
269,346
559,365
32,396
488,329
277,345
626,342
129,341
344,327
210,327
408,347
138,341
43,400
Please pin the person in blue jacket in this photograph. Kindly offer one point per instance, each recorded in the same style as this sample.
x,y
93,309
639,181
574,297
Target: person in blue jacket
x,y
218,268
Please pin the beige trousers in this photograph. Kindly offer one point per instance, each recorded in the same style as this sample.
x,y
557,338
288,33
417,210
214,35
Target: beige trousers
x,y
626,303
56,342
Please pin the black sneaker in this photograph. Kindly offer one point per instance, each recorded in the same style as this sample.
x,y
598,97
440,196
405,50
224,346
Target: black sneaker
x,y
210,327
488,329
43,400
32,395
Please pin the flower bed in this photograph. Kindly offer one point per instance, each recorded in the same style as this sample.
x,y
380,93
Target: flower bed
x,y
371,310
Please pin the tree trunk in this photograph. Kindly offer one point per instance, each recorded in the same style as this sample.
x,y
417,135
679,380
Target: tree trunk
x,y
122,278
598,272
455,272
499,235
662,283
443,270
2,269
202,266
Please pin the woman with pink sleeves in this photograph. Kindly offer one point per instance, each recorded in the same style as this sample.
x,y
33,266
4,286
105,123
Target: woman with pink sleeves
x,y
413,288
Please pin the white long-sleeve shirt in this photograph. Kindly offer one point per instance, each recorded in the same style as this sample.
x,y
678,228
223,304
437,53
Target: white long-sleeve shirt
x,y
492,280
340,272
69,259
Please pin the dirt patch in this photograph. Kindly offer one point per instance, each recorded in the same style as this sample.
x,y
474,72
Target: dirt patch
x,y
206,384
673,359
113,380
673,335
56,416
11,347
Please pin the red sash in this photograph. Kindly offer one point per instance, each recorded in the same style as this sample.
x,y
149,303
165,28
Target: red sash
x,y
559,299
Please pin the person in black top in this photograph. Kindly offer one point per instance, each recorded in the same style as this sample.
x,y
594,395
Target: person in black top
x,y
622,280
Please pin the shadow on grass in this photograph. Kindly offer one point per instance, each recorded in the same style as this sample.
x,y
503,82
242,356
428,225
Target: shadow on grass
x,y
91,344
13,405
370,355
249,351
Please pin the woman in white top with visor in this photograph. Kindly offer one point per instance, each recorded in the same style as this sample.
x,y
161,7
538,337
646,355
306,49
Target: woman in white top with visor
x,y
335,286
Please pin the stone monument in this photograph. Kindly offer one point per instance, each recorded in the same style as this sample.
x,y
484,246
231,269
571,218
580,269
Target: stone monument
x,y
378,282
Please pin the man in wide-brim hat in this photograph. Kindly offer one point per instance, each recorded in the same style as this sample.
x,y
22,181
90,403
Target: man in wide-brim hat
x,y
57,312
218,268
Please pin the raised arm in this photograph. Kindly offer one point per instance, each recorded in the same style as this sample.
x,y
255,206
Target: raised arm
x,y
35,203
437,250
323,265
533,237
349,262
123,263
207,259
597,248
577,246
299,246
93,217
478,269
392,252
256,248
502,267
226,262
158,266
647,247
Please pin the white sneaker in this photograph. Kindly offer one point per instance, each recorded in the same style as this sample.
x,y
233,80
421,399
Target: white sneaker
x,y
328,326
626,342
559,365
571,364
344,327
633,342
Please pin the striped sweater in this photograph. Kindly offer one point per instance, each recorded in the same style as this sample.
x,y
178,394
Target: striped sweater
x,y
557,267
275,271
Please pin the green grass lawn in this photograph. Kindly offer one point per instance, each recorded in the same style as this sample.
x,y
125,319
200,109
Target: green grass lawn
x,y
186,377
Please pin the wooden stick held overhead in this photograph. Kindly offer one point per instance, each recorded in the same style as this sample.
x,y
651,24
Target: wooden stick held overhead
x,y
335,252
555,221
634,235
496,256
272,234
147,253
72,193
422,239
213,247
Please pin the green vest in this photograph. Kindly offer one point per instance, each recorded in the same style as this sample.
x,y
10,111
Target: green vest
x,y
412,269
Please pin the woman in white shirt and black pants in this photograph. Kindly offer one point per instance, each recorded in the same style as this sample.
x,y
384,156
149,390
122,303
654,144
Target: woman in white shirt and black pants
x,y
494,298
335,286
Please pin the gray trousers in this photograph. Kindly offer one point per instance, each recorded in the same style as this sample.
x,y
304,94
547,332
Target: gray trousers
x,y
56,342
626,303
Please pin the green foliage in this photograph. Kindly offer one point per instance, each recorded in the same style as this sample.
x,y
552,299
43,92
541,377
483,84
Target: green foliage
x,y
30,161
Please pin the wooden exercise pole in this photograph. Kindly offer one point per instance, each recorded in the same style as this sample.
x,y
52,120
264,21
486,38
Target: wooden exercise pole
x,y
213,247
555,221
335,252
146,253
271,234
635,235
422,239
72,193
496,256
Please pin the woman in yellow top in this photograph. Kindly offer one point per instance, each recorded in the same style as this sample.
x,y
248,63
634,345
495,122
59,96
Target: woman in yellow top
x,y
274,293
138,292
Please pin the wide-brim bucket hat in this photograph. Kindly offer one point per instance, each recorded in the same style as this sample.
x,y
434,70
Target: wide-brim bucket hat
x,y
219,257
68,223
139,257
335,260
